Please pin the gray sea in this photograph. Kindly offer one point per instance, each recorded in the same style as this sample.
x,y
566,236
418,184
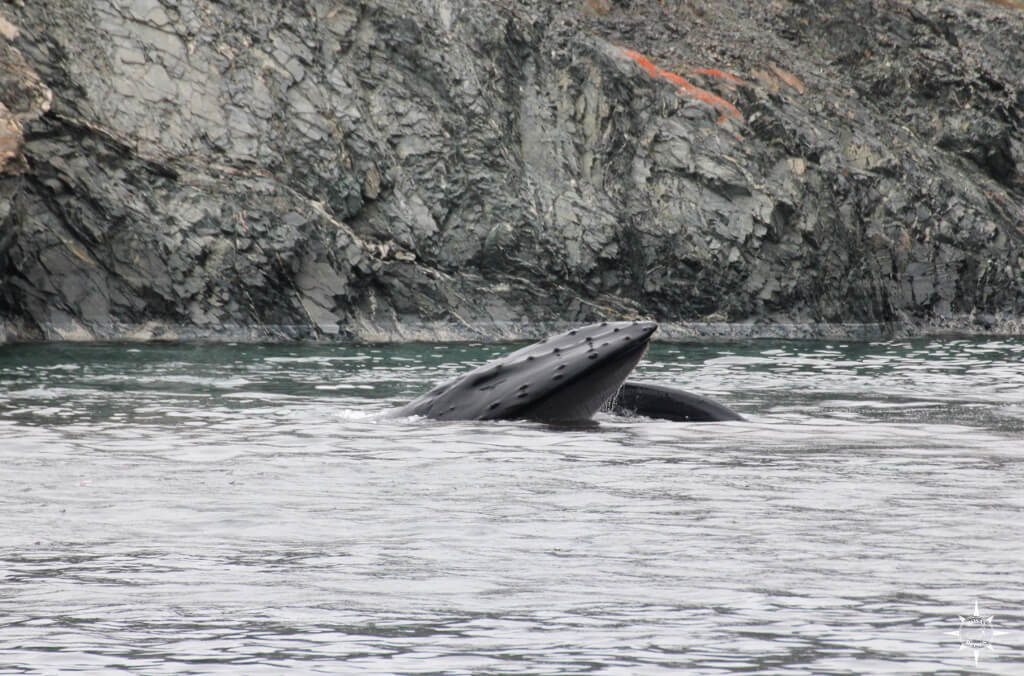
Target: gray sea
x,y
208,509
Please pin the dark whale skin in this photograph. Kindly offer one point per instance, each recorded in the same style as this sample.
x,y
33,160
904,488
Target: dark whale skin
x,y
565,378
668,403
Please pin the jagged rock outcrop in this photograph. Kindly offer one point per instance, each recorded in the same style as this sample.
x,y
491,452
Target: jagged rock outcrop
x,y
392,169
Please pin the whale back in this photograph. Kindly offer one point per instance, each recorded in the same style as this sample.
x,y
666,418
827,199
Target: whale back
x,y
668,403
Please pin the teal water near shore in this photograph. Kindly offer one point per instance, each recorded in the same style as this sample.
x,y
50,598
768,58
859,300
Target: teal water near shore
x,y
245,509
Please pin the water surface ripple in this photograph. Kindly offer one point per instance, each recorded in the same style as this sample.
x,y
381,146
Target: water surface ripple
x,y
175,509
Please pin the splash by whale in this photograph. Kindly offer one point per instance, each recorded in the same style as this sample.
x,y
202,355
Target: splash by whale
x,y
566,378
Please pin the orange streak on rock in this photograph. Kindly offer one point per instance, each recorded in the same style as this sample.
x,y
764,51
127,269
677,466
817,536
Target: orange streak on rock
x,y
790,79
717,102
720,75
677,80
644,62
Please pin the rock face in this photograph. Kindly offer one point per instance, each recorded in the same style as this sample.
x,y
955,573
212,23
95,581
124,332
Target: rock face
x,y
397,169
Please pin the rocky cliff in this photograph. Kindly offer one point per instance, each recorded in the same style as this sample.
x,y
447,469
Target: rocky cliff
x,y
400,169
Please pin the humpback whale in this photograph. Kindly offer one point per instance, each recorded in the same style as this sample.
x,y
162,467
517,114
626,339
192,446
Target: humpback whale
x,y
566,378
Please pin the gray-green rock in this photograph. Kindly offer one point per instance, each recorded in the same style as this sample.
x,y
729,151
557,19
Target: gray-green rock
x,y
394,169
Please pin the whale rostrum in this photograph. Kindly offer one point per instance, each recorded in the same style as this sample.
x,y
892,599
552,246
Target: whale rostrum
x,y
566,378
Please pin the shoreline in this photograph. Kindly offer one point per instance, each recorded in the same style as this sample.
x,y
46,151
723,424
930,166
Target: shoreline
x,y
413,331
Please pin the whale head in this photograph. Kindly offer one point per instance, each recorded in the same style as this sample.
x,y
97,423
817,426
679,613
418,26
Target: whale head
x,y
562,379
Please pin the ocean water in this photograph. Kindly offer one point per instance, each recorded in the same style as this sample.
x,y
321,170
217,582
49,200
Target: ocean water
x,y
204,509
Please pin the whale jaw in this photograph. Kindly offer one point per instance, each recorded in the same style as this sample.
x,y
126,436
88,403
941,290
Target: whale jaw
x,y
580,399
566,378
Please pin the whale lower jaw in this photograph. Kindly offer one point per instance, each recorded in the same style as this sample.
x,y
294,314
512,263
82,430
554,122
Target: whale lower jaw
x,y
565,378
581,398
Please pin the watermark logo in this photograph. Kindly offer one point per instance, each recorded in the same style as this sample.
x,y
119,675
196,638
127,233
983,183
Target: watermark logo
x,y
976,632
